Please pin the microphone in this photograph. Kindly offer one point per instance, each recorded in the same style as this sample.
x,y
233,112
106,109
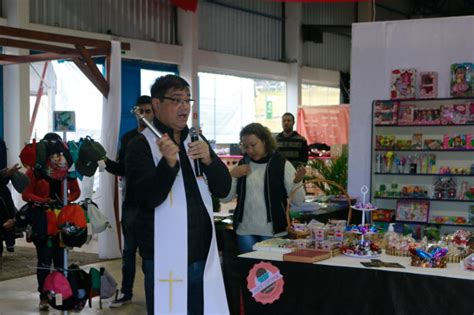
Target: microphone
x,y
197,163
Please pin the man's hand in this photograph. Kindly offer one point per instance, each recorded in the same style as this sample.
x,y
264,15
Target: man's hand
x,y
169,149
12,170
299,174
200,150
240,170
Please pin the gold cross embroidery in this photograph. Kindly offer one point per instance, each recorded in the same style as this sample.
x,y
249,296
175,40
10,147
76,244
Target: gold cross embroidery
x,y
171,280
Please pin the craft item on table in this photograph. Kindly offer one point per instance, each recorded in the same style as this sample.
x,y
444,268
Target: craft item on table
x,y
417,141
384,142
433,144
428,84
319,233
431,233
327,245
361,249
454,142
278,245
468,262
386,112
403,83
399,245
406,114
431,257
377,263
412,210
307,255
298,230
303,243
461,79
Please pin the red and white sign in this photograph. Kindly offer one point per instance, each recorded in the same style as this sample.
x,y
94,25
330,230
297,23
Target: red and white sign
x,y
265,282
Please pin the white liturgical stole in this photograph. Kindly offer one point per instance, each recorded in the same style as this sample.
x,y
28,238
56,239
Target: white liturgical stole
x,y
171,249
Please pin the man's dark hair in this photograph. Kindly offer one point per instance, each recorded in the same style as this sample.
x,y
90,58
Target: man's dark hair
x,y
261,132
144,99
288,114
164,83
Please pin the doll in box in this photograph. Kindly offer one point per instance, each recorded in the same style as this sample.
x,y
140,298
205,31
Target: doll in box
x,y
428,84
461,80
403,83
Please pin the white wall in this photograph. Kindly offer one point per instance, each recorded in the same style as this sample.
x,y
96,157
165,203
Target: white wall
x,y
377,48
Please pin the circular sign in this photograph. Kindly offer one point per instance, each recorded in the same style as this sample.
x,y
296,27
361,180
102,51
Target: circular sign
x,y
265,283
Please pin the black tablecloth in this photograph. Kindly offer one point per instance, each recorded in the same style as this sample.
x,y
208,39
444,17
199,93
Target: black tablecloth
x,y
320,289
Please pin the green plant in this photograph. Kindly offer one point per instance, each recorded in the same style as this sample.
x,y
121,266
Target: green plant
x,y
334,170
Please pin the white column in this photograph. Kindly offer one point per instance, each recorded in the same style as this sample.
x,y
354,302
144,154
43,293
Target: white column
x,y
16,86
293,50
188,38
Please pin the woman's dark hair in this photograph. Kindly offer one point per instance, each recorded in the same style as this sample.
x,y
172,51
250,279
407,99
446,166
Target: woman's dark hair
x,y
261,132
164,83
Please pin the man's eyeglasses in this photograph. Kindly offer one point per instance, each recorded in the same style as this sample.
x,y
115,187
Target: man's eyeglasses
x,y
179,101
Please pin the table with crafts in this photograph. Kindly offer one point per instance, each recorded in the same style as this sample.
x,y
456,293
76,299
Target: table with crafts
x,y
342,285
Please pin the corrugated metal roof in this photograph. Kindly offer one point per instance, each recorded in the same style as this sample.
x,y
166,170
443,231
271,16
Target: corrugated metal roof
x,y
151,20
245,28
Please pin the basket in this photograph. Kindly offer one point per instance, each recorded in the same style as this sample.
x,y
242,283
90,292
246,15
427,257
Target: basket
x,y
302,234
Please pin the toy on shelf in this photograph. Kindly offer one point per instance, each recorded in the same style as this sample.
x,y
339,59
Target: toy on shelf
x,y
426,116
444,188
454,114
461,79
454,142
412,210
428,84
386,112
403,83
406,114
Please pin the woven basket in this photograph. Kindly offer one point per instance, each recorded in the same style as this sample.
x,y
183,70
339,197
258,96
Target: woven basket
x,y
298,234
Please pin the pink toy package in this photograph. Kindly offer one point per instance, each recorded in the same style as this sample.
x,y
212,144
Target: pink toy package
x,y
428,84
403,83
453,142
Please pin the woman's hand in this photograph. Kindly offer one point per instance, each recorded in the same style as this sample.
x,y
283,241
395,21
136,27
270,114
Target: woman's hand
x,y
299,174
240,170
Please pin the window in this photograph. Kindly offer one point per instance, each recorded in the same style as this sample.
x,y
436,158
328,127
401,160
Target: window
x,y
317,95
227,103
66,89
148,77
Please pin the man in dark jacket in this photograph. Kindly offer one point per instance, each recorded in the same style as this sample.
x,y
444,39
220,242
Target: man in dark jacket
x,y
291,144
175,206
129,206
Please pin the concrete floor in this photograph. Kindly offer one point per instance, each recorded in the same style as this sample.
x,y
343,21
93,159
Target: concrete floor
x,y
19,296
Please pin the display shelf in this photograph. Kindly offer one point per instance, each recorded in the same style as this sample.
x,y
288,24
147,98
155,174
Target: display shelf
x,y
430,199
434,223
408,174
410,126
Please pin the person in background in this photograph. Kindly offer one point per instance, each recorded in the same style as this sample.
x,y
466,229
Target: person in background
x,y
261,182
290,143
46,188
175,219
7,210
129,206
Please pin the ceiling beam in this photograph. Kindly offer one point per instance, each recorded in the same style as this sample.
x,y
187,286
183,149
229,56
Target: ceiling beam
x,y
99,84
94,70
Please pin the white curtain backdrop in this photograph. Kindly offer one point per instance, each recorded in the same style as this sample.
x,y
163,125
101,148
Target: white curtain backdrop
x,y
108,241
377,48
